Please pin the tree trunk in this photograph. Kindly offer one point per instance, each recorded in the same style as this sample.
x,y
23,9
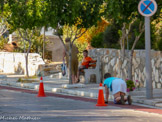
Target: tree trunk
x,y
70,57
123,51
44,36
26,57
132,50
24,47
122,45
130,65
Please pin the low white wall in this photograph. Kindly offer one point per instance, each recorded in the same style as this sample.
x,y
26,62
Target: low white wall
x,y
14,63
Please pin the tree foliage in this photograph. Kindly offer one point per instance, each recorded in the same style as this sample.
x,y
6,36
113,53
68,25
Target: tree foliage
x,y
124,12
26,16
84,13
157,32
1,5
85,40
121,11
36,45
3,41
4,26
97,40
81,13
93,31
111,36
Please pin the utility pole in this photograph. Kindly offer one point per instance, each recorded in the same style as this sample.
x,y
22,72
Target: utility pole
x,y
148,69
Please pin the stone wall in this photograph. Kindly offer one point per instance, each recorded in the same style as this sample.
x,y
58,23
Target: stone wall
x,y
112,63
14,63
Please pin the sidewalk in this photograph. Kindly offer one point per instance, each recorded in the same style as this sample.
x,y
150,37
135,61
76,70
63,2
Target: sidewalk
x,y
61,86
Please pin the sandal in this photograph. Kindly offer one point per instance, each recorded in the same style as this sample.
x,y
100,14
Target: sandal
x,y
129,100
106,102
122,100
78,81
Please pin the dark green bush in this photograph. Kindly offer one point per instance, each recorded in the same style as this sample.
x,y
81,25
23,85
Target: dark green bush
x,y
107,39
111,37
97,41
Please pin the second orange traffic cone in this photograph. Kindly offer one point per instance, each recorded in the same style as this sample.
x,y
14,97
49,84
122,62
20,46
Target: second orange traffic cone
x,y
41,89
101,101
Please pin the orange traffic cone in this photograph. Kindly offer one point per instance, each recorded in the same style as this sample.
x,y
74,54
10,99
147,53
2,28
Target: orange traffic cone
x,y
41,89
101,101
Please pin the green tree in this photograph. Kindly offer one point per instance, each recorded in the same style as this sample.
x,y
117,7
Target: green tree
x,y
111,36
81,13
4,26
125,13
1,5
26,16
36,45
157,31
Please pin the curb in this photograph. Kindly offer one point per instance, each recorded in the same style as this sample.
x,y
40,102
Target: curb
x,y
67,86
63,90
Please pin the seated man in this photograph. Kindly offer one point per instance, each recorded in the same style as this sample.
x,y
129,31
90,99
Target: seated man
x,y
85,63
118,88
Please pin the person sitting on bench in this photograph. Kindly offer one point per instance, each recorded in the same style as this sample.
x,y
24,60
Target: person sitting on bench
x,y
85,63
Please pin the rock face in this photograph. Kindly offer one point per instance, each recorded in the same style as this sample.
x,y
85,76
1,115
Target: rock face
x,y
112,63
14,63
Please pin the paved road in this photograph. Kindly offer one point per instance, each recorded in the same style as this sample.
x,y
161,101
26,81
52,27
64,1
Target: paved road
x,y
16,106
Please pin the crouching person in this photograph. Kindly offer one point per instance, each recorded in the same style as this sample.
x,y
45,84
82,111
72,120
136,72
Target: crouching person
x,y
118,88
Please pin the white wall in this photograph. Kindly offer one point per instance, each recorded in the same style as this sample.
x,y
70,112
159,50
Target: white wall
x,y
14,63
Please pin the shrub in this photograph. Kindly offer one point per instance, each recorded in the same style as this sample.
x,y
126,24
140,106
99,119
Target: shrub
x,y
3,41
111,37
130,85
97,41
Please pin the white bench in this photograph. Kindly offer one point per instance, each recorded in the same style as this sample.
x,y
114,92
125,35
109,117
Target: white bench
x,y
96,71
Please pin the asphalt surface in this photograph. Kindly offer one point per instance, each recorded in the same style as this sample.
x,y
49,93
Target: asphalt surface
x,y
23,105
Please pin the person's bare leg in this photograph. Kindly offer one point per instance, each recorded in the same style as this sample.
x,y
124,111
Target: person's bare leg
x,y
117,97
125,97
78,73
73,79
107,93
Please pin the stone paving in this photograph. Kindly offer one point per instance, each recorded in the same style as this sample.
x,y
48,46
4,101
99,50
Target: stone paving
x,y
61,86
